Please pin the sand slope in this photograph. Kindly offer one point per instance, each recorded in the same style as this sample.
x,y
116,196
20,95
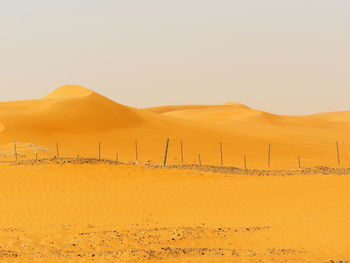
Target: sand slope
x,y
78,119
231,114
317,131
68,109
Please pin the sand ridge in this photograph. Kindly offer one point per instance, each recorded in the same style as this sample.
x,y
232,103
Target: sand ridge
x,y
78,119
69,91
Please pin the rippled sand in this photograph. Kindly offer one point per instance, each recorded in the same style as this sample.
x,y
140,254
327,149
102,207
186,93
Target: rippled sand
x,y
124,213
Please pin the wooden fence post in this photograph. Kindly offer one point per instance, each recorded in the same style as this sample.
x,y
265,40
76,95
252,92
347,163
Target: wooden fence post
x,y
166,151
136,152
221,155
15,148
245,163
57,151
299,162
199,159
99,150
269,157
338,155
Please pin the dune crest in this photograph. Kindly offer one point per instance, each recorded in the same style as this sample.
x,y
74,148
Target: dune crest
x,y
68,91
236,104
234,114
215,114
68,109
340,116
175,108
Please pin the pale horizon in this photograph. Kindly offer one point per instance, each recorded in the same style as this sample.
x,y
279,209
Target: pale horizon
x,y
287,57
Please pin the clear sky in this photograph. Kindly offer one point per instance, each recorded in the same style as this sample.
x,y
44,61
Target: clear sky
x,y
282,56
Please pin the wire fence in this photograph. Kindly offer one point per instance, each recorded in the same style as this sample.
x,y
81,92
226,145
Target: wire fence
x,y
41,153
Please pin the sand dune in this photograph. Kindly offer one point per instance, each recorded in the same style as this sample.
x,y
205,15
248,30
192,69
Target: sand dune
x,y
237,117
68,109
235,112
70,91
78,119
69,210
341,116
317,131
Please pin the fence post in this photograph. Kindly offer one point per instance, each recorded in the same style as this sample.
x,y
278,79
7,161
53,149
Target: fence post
x,y
245,163
136,152
338,155
57,151
269,157
299,162
166,151
117,158
99,150
199,159
221,155
15,148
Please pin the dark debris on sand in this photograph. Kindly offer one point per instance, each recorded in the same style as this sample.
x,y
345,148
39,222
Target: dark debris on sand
x,y
205,168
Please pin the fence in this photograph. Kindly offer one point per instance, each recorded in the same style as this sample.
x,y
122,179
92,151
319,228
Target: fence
x,y
245,164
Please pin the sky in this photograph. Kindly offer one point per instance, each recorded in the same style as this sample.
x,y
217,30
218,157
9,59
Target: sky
x,y
282,56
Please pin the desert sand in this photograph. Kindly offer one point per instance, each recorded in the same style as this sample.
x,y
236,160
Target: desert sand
x,y
78,119
76,204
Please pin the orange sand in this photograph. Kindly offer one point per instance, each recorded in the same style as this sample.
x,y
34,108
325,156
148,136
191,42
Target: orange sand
x,y
78,119
108,213
129,213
